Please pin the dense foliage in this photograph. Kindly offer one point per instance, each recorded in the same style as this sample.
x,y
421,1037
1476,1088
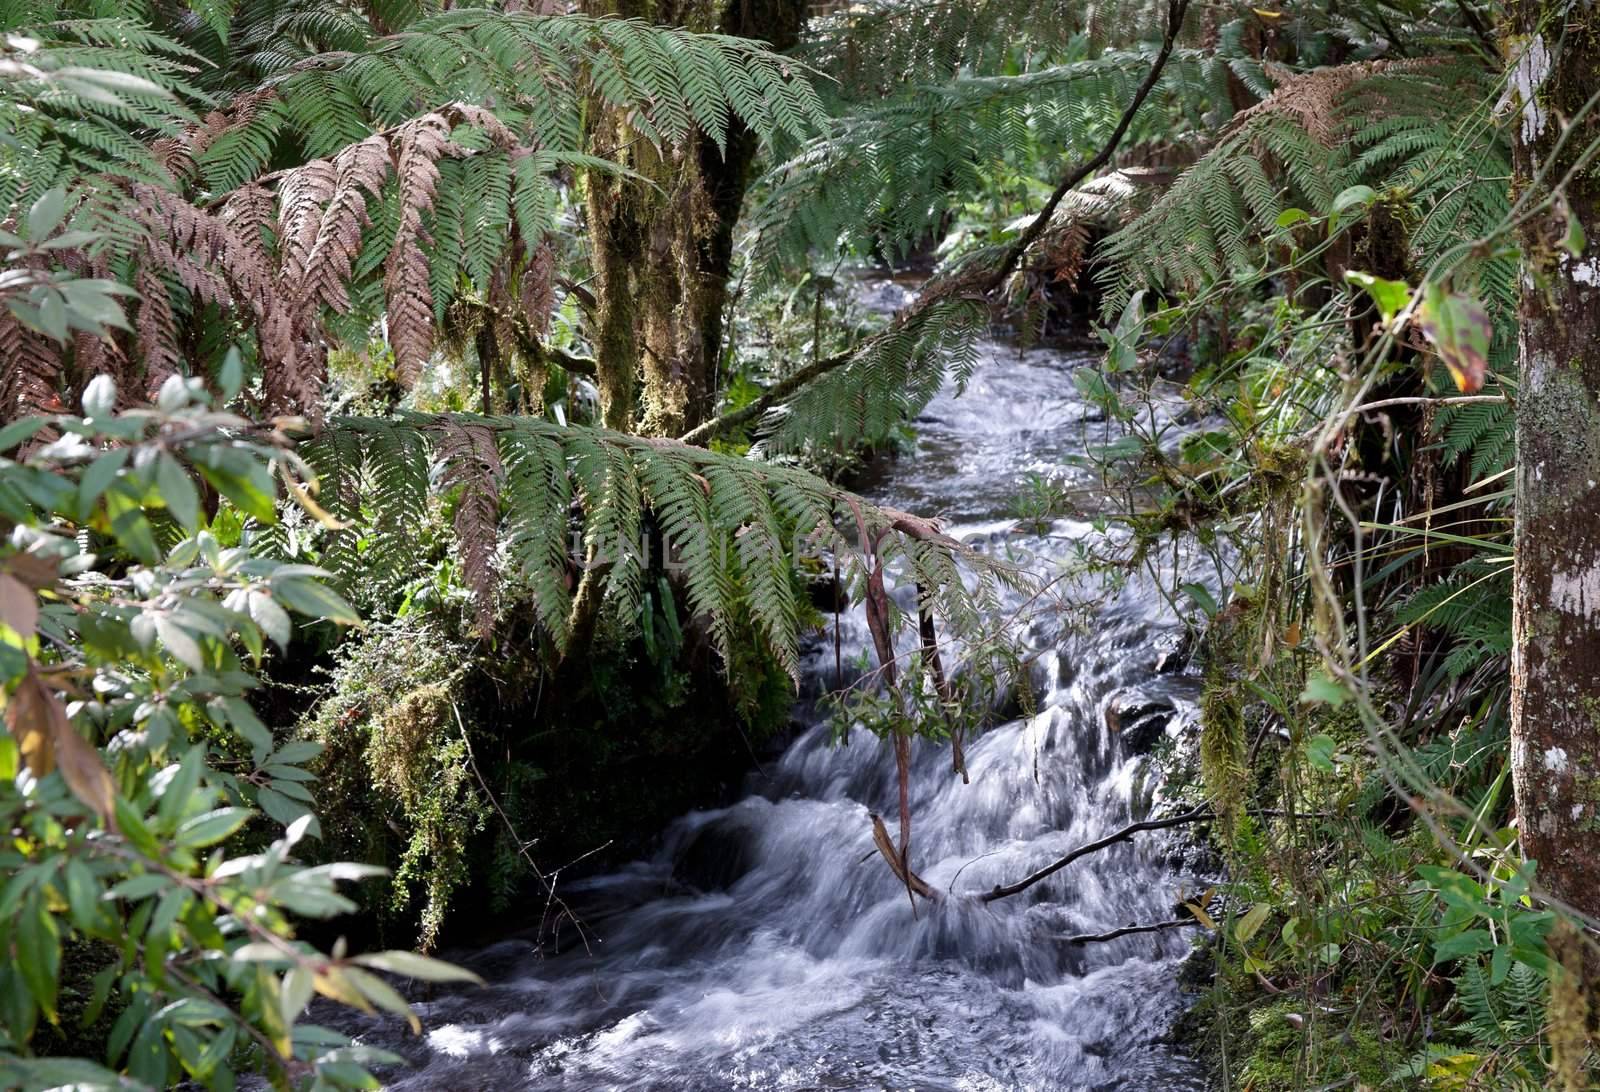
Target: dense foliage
x,y
520,334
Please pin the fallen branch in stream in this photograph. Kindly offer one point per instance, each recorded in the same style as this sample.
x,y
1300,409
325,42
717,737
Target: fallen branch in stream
x,y
1198,815
914,883
1129,930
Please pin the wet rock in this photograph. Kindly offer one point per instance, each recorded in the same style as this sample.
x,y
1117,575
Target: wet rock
x,y
1173,652
715,857
826,593
1139,721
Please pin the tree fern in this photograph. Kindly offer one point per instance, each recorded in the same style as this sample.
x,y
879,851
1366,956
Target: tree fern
x,y
886,175
1483,432
887,380
732,526
1391,125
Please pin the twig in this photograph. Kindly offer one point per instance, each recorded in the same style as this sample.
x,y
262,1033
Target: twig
x,y
1452,400
1129,930
549,881
773,394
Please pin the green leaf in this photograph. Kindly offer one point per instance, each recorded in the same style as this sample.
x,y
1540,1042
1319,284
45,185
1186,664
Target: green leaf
x,y
19,432
212,827
383,995
242,477
1323,690
178,492
297,751
412,965
1467,943
129,524
1202,598
295,994
139,887
266,613
180,643
38,953
1319,752
97,478
1353,197
314,599
1247,926
46,213
1292,216
231,377
279,807
1390,296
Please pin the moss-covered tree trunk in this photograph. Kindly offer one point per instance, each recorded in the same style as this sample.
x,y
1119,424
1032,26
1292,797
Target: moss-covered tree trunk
x,y
663,254
1555,702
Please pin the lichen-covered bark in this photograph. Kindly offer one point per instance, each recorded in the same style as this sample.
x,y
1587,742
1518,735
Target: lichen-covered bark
x,y
663,254
1555,703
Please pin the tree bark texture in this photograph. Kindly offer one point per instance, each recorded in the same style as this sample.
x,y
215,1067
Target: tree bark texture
x,y
663,256
1555,696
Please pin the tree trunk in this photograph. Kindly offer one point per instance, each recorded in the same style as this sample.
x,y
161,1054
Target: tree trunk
x,y
662,256
1555,670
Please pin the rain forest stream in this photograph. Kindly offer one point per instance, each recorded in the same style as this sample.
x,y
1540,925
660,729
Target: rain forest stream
x,y
767,946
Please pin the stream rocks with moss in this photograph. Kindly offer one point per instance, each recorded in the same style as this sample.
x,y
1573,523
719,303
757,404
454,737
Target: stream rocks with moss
x,y
764,945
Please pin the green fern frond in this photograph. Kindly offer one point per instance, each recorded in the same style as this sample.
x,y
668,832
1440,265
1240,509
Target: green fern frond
x,y
732,528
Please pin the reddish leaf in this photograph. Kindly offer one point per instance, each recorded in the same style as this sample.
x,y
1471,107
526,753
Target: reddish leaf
x,y
1458,328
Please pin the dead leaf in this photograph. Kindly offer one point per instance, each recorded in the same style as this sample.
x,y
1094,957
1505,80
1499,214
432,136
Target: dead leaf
x,y
36,572
28,715
48,741
19,608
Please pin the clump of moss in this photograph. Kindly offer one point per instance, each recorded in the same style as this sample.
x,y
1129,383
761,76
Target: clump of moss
x,y
457,763
394,716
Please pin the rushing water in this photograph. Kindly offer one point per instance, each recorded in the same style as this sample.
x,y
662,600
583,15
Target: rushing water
x,y
766,946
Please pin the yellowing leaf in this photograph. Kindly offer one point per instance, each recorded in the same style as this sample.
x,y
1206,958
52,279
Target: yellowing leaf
x,y
1247,926
1458,328
28,716
1201,916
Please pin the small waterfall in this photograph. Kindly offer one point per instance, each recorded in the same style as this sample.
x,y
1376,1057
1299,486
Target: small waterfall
x,y
766,946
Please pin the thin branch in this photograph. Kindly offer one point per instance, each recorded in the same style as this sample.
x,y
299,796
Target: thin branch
x,y
1452,400
772,395
1176,9
547,881
1129,930
1198,815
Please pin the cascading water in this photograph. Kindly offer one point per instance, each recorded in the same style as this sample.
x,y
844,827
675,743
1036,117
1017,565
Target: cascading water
x,y
767,946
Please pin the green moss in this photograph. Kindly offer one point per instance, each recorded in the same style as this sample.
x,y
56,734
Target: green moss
x,y
422,727
1283,1057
